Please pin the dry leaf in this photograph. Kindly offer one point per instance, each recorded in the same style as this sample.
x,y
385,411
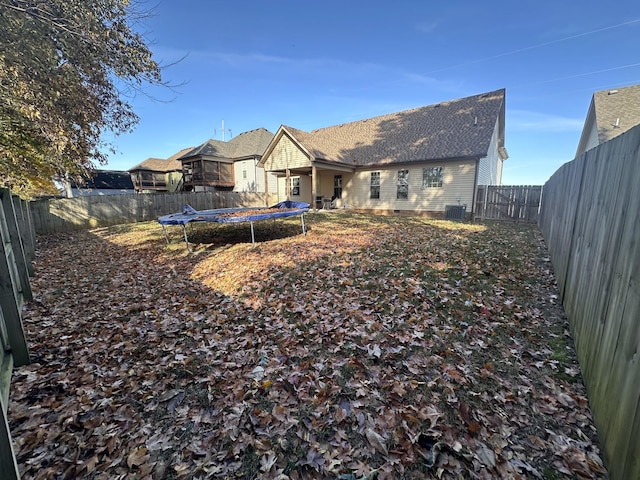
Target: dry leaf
x,y
277,350
138,456
376,441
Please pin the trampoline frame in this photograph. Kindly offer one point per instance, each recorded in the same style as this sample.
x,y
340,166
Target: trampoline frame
x,y
221,215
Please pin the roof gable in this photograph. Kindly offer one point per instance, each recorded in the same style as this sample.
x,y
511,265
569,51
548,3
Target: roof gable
x,y
253,142
460,128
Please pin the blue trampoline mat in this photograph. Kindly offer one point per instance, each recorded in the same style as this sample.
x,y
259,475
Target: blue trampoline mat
x,y
222,215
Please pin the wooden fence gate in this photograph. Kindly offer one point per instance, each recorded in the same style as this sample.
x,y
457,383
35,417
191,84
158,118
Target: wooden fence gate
x,y
508,202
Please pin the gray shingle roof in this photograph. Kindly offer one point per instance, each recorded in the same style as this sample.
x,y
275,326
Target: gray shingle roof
x,y
171,164
454,129
617,111
253,142
107,180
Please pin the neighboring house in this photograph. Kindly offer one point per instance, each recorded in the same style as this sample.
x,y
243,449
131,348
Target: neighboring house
x,y
611,113
102,182
230,166
418,160
158,175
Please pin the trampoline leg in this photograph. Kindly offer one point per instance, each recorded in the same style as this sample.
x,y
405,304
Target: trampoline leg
x,y
304,230
186,239
253,238
164,231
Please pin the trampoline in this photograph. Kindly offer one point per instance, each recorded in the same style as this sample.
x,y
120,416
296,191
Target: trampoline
x,y
287,208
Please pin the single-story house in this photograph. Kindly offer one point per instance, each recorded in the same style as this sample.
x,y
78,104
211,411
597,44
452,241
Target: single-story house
x,y
101,182
230,166
611,113
418,160
156,175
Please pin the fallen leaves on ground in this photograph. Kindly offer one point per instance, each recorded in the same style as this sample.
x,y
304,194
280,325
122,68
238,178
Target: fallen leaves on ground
x,y
373,347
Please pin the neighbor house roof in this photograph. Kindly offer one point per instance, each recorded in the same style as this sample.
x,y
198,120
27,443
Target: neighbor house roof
x,y
171,164
460,128
107,180
611,113
253,142
617,111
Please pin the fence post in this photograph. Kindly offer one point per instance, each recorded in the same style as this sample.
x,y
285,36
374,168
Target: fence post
x,y
8,465
11,294
14,286
19,256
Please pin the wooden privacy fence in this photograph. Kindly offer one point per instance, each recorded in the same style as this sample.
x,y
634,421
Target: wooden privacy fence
x,y
69,214
16,254
508,202
590,219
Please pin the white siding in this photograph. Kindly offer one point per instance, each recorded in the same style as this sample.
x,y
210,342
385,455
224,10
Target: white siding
x,y
286,154
325,186
254,182
490,167
457,188
592,139
305,189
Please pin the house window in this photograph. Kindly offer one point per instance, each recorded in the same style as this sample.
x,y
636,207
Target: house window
x,y
432,177
337,186
403,184
375,185
295,186
244,170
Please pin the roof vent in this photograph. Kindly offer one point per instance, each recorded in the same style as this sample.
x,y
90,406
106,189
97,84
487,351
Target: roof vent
x,y
612,92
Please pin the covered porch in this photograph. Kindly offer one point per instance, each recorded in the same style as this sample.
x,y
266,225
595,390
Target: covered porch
x,y
321,185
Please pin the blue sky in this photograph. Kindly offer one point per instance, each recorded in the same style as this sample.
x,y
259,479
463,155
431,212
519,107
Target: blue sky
x,y
310,65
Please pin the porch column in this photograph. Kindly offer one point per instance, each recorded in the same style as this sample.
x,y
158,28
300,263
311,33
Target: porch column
x,y
287,183
266,188
314,186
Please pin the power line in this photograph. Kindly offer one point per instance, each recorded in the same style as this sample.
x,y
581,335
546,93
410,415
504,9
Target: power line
x,y
532,47
577,75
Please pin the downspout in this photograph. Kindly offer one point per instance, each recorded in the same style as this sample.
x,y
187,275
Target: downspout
x,y
475,189
255,171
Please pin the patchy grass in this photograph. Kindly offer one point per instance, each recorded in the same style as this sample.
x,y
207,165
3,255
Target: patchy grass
x,y
399,347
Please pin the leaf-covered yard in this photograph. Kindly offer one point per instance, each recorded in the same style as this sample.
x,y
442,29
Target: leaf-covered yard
x,y
374,347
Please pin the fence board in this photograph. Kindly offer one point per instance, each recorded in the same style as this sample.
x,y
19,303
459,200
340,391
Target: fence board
x,y
557,218
19,257
14,286
69,214
590,218
25,226
11,292
516,203
8,465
